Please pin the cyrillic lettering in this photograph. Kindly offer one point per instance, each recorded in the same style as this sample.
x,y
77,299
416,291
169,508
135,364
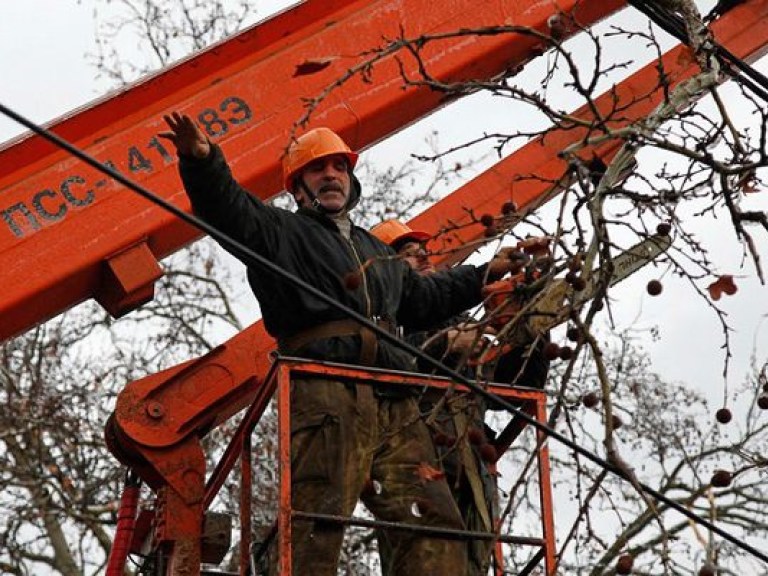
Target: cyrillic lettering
x,y
15,228
37,203
66,190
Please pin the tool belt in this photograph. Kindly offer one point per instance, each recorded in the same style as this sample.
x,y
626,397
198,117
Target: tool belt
x,y
369,341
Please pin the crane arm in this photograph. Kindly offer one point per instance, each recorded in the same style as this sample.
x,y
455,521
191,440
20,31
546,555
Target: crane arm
x,y
68,234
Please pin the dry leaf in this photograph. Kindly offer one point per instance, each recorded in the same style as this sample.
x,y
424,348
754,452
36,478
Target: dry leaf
x,y
751,186
723,285
313,65
428,473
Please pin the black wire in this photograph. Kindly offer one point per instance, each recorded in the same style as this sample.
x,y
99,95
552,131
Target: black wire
x,y
251,258
673,24
761,88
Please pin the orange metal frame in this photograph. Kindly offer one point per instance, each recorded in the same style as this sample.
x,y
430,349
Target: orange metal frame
x,y
158,419
531,401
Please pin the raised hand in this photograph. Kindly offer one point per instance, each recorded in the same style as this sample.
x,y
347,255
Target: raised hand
x,y
186,136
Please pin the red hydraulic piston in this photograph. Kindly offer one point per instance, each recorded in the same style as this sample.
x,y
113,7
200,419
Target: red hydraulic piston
x,y
126,521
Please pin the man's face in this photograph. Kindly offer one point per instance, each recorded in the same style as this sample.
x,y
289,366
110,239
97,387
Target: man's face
x,y
328,179
415,255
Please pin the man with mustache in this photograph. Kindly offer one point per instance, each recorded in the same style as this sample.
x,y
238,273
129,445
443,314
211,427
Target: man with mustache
x,y
348,440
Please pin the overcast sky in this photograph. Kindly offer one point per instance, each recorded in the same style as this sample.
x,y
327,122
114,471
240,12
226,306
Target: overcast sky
x,y
45,74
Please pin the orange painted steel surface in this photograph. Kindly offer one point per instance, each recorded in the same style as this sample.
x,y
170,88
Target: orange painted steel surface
x,y
545,492
533,402
61,221
159,411
157,427
284,524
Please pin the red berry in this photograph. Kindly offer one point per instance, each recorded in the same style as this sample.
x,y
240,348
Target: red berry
x,y
616,422
579,284
624,565
570,277
352,280
573,334
762,401
558,26
654,288
488,453
574,264
475,436
663,228
707,570
590,399
723,415
551,351
508,208
487,220
566,353
721,479
491,231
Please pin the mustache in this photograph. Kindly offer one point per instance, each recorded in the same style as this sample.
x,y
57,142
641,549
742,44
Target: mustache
x,y
332,186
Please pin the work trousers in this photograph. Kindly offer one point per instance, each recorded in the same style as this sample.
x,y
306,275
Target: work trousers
x,y
472,483
348,444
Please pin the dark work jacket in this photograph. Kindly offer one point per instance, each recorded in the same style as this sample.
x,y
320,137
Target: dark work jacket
x,y
310,246
435,343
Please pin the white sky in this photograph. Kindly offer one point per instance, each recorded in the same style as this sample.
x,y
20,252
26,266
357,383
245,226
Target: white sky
x,y
45,75
42,49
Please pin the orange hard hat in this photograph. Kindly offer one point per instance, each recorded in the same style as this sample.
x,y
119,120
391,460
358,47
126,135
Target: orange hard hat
x,y
393,231
316,143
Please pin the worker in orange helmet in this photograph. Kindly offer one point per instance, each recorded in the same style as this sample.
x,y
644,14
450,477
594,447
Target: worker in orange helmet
x,y
345,437
408,243
471,480
304,167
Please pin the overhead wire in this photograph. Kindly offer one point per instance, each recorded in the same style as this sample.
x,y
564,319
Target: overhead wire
x,y
251,258
673,24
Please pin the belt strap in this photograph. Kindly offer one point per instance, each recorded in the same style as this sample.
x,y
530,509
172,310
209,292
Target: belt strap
x,y
338,328
471,466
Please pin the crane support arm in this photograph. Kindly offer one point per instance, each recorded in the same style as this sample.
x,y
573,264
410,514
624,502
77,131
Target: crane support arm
x,y
68,234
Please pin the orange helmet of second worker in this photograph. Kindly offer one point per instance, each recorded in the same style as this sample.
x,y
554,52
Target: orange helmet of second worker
x,y
316,143
394,233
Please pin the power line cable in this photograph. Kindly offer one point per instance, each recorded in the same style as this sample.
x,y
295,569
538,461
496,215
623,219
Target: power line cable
x,y
674,25
251,258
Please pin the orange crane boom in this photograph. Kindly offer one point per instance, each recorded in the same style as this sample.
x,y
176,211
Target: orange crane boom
x,y
67,233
